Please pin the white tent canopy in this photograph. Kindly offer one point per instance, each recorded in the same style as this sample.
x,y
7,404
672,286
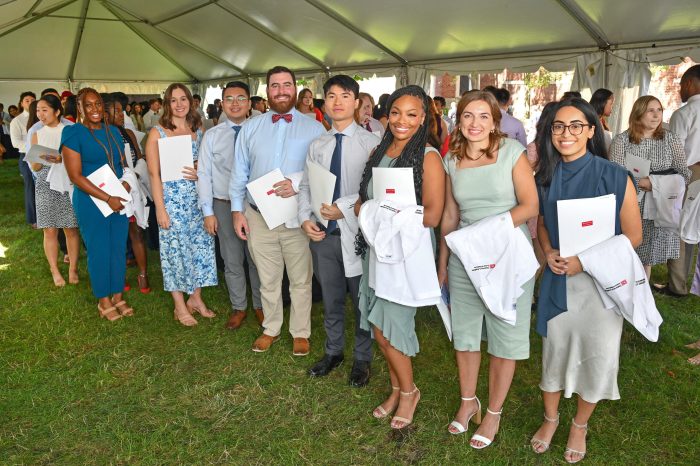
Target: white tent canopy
x,y
147,43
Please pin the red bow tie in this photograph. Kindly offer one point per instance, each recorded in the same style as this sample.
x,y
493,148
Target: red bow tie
x,y
286,117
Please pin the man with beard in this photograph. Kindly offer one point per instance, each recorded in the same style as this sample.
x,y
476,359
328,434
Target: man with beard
x,y
279,139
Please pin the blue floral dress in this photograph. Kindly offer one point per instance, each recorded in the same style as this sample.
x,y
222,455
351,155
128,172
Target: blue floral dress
x,y
186,249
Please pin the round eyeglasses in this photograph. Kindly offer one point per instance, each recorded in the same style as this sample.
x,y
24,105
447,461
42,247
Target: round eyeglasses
x,y
574,128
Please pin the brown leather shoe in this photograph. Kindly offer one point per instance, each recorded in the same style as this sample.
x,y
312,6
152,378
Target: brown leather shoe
x,y
260,316
263,343
235,320
301,347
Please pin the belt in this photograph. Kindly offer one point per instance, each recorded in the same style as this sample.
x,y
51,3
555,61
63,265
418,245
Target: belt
x,y
222,200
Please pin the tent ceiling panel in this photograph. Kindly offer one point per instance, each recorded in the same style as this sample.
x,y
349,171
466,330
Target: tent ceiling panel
x,y
469,29
234,41
646,20
39,59
310,30
156,10
110,49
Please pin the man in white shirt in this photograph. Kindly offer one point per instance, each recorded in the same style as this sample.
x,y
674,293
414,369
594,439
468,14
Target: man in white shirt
x,y
216,156
278,139
343,151
151,117
685,123
18,136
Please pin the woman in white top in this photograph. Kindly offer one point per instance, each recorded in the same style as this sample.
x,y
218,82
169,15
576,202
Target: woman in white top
x,y
53,208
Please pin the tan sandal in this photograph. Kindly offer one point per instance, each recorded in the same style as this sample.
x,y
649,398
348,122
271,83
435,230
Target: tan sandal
x,y
185,319
204,312
405,422
381,413
124,309
110,313
575,455
540,446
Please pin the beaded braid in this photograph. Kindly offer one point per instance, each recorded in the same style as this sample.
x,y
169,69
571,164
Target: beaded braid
x,y
412,154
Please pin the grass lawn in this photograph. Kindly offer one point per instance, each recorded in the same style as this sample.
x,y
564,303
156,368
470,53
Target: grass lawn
x,y
76,389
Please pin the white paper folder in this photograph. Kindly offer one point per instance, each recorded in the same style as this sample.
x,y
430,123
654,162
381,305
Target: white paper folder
x,y
275,210
175,153
105,179
394,184
321,186
583,223
638,166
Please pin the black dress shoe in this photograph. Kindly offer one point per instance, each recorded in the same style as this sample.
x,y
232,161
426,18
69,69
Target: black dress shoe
x,y
666,290
326,365
359,375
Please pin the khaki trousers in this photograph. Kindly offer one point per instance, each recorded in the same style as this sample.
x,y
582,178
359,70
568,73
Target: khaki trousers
x,y
679,269
272,251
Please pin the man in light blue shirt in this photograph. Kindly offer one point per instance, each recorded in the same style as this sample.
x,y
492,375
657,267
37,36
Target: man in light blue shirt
x,y
509,124
277,139
216,154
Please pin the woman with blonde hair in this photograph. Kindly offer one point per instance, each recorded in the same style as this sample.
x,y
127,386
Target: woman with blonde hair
x,y
646,138
186,250
489,174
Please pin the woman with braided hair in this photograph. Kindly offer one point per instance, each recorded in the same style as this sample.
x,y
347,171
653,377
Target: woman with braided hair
x,y
393,324
85,147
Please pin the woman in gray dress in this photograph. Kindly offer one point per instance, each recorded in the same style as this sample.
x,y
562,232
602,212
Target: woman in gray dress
x,y
581,338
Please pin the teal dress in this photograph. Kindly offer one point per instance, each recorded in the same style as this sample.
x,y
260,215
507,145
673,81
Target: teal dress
x,y
396,321
482,192
105,237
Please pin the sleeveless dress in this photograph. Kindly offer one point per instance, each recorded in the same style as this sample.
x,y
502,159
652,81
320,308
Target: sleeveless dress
x,y
481,192
396,321
53,209
186,249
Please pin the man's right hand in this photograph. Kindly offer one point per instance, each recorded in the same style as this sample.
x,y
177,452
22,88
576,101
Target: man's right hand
x,y
240,225
313,231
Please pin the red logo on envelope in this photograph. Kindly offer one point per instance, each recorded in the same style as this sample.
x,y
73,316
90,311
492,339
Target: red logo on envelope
x,y
587,223
390,191
491,266
101,184
635,170
623,282
271,192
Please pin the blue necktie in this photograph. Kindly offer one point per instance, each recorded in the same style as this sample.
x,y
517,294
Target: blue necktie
x,y
237,129
335,169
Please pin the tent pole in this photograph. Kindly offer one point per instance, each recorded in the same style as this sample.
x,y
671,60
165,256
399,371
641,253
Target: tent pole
x,y
78,38
36,17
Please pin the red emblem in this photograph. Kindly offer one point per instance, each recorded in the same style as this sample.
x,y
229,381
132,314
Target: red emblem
x,y
587,223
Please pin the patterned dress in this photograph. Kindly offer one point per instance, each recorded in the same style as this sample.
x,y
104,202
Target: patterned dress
x,y
53,209
186,249
658,244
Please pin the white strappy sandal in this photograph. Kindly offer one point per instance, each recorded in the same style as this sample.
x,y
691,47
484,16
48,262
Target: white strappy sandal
x,y
579,454
480,438
459,428
535,442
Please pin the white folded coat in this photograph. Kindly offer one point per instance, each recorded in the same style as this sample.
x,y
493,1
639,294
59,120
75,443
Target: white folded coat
x,y
348,230
690,214
137,205
622,283
498,259
664,204
401,260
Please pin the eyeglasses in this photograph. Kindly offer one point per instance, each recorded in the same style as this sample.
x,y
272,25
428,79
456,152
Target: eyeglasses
x,y
240,99
574,128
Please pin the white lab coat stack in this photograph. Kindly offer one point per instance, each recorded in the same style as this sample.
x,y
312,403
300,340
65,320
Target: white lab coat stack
x,y
664,204
622,283
401,260
690,214
137,205
498,259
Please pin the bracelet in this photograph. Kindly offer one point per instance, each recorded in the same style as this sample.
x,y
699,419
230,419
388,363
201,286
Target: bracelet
x,y
108,198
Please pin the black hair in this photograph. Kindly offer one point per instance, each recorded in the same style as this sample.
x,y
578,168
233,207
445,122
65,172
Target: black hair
x,y
380,110
548,154
32,115
343,81
279,69
502,95
235,85
571,95
490,89
692,73
26,94
599,99
71,107
121,98
441,100
255,99
197,96
48,90
53,102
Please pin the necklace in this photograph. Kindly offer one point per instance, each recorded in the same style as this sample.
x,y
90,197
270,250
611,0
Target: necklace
x,y
474,159
108,152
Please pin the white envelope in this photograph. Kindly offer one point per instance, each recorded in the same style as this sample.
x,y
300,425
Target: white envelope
x,y
105,179
394,184
321,185
37,153
638,166
583,223
444,309
275,210
175,153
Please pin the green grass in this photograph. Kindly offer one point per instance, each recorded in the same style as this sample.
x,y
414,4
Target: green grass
x,y
76,389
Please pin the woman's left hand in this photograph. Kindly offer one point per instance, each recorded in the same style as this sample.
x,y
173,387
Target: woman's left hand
x,y
573,266
190,173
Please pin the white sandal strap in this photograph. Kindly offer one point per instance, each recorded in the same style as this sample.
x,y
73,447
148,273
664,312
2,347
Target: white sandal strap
x,y
494,413
395,388
460,428
482,439
468,399
549,419
579,426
